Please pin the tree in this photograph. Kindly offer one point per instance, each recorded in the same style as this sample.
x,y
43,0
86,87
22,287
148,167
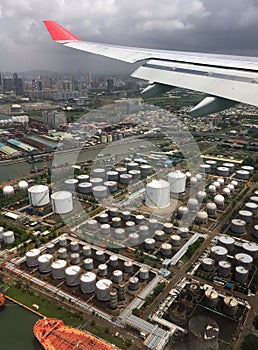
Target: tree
x,y
250,342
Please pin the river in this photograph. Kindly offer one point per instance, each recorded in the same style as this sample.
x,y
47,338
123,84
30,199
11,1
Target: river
x,y
16,328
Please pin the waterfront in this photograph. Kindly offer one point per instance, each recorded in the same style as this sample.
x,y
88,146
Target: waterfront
x,y
16,328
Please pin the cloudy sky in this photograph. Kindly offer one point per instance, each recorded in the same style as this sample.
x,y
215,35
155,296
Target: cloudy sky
x,y
224,26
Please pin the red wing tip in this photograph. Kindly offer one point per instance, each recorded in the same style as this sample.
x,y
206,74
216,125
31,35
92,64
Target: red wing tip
x,y
58,33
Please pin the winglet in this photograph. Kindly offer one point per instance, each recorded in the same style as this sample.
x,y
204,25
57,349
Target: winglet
x,y
58,33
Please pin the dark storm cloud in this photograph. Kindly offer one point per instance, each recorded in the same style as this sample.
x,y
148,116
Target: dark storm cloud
x,y
197,25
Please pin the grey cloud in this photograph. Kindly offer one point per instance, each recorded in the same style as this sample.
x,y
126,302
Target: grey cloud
x,y
196,25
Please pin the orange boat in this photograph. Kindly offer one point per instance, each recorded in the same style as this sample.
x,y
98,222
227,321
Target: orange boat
x,y
2,300
53,334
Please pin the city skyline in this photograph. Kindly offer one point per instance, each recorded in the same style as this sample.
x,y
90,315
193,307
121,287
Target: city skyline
x,y
195,25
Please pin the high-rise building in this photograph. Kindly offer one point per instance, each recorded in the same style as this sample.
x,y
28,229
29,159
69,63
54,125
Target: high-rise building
x,y
17,84
1,79
8,85
54,118
111,85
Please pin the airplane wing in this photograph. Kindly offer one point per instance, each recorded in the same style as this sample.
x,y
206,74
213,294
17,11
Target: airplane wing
x,y
226,79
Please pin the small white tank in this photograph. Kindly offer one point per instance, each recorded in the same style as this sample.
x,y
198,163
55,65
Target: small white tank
x,y
133,283
100,192
132,166
182,212
244,260
8,237
227,242
219,253
241,274
88,264
201,217
255,232
226,192
113,260
72,276
74,246
92,224
139,219
144,230
125,179
8,190
230,166
221,181
102,270
128,267
103,218
136,174
116,221
223,171
248,168
251,249
44,263
62,253
157,194
254,199
58,269
212,163
238,226
62,202
100,255
96,181
75,258
71,184
62,241
253,207
159,235
153,224
231,187
193,204
205,168
175,240
105,229
83,178
193,181
245,215
146,169
111,186
235,183
133,238
168,228
117,276
23,185
126,215
119,234
211,209
177,181
144,273
242,174
129,226
212,189
112,175
201,196
230,305
149,243
99,172
166,249
208,264
217,184
219,200
85,188
88,282
103,288
211,297
51,248
32,257
224,268
183,232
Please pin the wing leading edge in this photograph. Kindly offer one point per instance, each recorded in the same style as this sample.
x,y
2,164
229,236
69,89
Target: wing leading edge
x,y
226,79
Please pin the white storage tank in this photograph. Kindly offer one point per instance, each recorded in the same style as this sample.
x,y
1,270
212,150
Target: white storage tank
x,y
113,260
159,235
201,196
1,232
96,181
231,187
129,226
157,194
223,171
23,185
44,263
99,172
219,200
103,288
230,305
117,276
211,297
62,241
100,191
62,202
8,190
221,181
105,229
182,212
92,224
125,179
74,246
227,242
144,273
146,169
121,170
126,215
136,174
133,283
103,218
242,174
183,232
132,166
71,184
207,264
58,269
248,168
153,224
230,166
111,186
166,249
83,178
32,257
224,268
211,209
254,199
139,219
176,180
201,217
251,249
168,228
212,189
112,175
212,163
193,181
226,192
253,207
119,234
193,204
149,243
175,240
255,232
244,260
241,274
62,253
75,258
38,195
72,276
205,168
116,221
144,230
133,238
128,267
235,183
100,255
102,270
219,253
51,248
88,264
8,237
88,282
245,215
85,188
238,226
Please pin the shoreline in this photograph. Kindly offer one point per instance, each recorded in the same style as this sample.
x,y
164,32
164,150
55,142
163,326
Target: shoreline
x,y
24,306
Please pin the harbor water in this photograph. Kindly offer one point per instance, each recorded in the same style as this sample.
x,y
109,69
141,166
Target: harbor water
x,y
16,328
